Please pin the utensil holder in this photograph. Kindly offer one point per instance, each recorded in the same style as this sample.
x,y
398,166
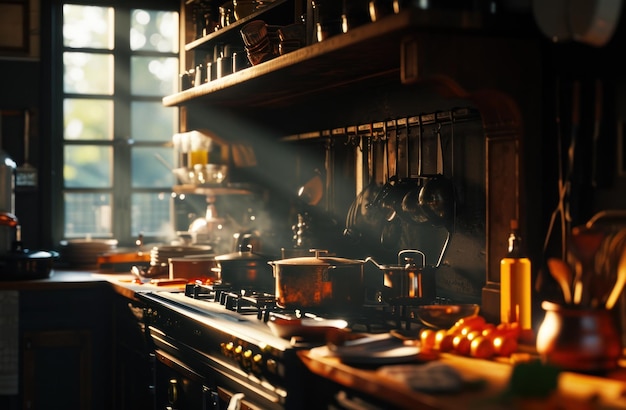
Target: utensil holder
x,y
577,338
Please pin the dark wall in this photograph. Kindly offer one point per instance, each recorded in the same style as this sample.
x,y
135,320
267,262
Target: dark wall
x,y
20,91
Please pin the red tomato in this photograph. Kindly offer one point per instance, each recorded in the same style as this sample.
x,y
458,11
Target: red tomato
x,y
428,338
461,345
469,321
509,329
474,334
504,345
445,343
482,348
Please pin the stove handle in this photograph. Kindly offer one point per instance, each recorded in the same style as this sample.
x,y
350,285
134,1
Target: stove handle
x,y
235,401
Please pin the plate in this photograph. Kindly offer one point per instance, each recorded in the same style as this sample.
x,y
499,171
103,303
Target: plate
x,y
371,350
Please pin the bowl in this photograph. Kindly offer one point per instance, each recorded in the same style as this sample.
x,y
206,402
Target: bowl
x,y
287,326
444,316
243,8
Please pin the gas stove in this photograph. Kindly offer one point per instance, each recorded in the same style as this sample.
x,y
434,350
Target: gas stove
x,y
220,336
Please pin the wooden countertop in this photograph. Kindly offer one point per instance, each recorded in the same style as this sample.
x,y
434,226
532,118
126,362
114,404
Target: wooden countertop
x,y
122,283
575,391
487,381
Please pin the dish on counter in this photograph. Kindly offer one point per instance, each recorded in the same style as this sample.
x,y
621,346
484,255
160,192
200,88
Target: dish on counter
x,y
375,349
288,326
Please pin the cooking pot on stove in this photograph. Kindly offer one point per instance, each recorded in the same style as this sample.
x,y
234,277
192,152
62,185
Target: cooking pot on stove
x,y
194,267
246,269
410,281
319,282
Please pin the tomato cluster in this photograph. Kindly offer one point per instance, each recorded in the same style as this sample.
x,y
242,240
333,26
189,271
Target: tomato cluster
x,y
474,337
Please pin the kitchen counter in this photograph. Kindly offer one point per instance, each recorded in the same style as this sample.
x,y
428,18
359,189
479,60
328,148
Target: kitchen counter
x,y
489,378
486,382
63,279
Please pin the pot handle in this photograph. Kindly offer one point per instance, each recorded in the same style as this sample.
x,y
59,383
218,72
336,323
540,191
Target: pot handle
x,y
370,259
411,251
318,252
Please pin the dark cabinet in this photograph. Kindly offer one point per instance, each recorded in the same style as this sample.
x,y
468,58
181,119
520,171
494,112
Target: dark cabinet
x,y
133,358
65,349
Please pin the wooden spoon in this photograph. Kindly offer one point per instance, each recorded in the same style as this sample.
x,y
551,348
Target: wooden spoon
x,y
619,283
563,274
585,244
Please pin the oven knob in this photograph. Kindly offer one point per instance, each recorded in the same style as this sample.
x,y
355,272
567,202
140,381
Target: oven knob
x,y
257,363
246,360
228,348
272,366
238,354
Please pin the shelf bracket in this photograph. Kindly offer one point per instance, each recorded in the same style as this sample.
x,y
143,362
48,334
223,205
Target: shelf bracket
x,y
409,70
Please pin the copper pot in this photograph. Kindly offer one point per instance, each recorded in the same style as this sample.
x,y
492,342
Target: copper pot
x,y
194,268
319,282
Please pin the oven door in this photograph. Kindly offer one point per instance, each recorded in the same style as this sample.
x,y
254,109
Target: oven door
x,y
177,387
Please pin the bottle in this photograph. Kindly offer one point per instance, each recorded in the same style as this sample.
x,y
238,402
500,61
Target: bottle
x,y
515,283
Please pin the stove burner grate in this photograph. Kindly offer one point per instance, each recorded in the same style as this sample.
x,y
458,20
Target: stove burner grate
x,y
368,318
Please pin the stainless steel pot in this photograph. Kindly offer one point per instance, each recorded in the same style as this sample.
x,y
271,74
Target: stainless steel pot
x,y
319,282
407,282
246,270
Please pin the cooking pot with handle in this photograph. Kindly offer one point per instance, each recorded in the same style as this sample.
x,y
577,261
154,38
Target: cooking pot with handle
x,y
408,282
319,282
245,269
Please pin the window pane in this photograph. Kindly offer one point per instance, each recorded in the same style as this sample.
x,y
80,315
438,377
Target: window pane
x,y
87,166
87,214
87,73
151,214
154,76
154,31
87,26
87,119
149,170
151,121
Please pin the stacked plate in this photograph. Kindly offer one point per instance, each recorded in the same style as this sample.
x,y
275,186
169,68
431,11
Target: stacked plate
x,y
84,253
291,37
159,255
257,41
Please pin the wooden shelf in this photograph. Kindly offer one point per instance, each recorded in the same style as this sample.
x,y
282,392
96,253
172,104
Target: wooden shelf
x,y
370,52
274,14
216,189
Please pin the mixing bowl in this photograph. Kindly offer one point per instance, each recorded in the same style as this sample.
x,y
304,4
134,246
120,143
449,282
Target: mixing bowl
x,y
444,316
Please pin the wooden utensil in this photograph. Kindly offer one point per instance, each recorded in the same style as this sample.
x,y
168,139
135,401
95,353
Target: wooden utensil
x,y
563,274
585,244
619,283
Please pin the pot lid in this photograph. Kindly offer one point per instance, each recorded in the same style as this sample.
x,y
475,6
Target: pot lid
x,y
37,254
245,254
318,260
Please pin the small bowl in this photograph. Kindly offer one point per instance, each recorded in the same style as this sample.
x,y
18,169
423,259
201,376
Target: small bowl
x,y
243,8
444,316
287,327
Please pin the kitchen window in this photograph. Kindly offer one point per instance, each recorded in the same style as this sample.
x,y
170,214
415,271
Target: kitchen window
x,y
118,61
